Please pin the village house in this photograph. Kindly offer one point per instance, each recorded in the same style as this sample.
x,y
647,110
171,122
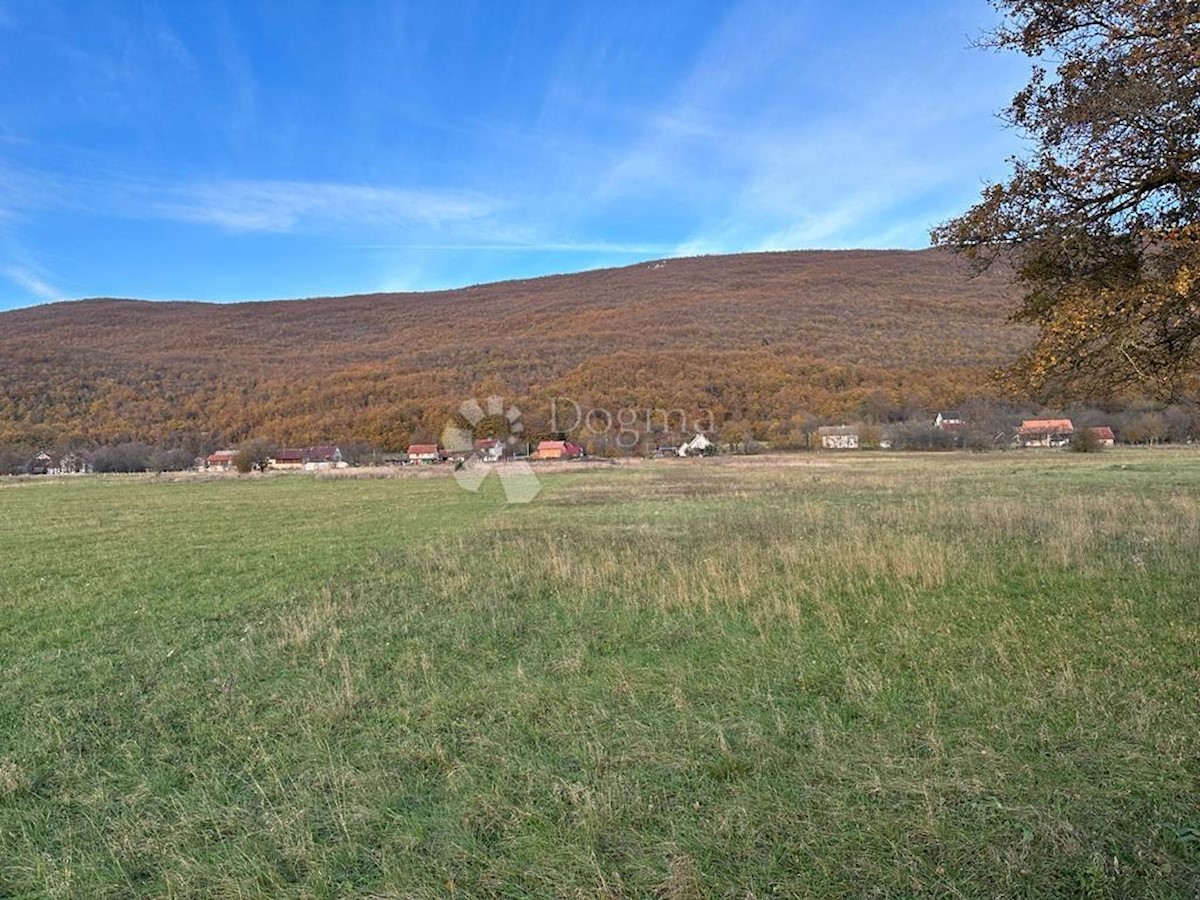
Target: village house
x,y
489,449
424,453
697,446
949,421
75,464
220,461
323,456
295,459
288,460
838,437
1104,435
1045,433
557,450
44,464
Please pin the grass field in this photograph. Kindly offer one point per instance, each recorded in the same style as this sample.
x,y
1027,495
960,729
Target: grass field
x,y
942,676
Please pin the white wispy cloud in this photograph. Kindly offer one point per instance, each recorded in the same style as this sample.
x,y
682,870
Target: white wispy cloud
x,y
292,205
243,205
32,282
775,141
772,126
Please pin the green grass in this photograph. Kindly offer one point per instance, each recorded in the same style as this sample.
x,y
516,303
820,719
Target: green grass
x,y
873,676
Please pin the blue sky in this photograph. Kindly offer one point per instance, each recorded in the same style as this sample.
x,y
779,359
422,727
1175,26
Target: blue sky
x,y
253,150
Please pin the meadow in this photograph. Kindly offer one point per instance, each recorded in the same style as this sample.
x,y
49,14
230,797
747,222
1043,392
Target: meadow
x,y
861,676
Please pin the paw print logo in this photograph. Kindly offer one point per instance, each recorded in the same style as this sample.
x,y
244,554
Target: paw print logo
x,y
517,478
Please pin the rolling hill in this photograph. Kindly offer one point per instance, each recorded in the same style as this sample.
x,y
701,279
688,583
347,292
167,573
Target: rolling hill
x,y
762,340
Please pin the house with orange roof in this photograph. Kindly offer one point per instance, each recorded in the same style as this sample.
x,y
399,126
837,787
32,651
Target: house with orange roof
x,y
1045,433
557,450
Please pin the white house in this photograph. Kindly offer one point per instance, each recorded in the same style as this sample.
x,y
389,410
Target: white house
x,y
323,456
697,446
489,449
74,464
838,437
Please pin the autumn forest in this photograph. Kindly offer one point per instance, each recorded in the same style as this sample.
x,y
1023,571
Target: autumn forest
x,y
764,342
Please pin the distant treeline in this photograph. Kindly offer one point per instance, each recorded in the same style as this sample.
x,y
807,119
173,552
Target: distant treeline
x,y
989,425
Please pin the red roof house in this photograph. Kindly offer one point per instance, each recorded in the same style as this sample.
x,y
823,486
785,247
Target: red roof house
x,y
322,456
424,453
221,461
289,458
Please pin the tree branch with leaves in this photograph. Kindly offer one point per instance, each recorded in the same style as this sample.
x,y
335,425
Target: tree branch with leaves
x,y
1101,220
